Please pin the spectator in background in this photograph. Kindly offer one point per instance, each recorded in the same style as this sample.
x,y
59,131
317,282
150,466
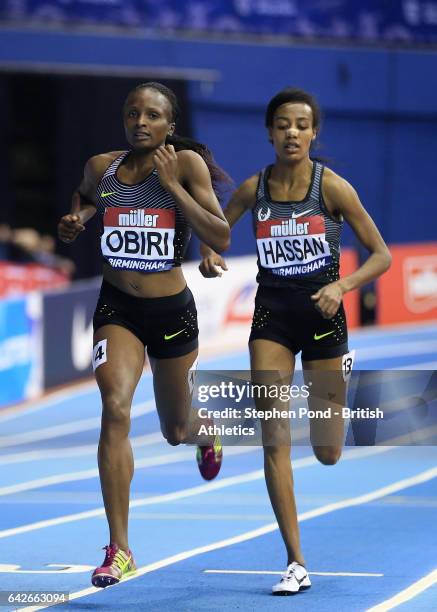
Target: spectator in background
x,y
5,236
25,245
46,256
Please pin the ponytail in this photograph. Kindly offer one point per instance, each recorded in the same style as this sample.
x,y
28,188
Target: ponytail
x,y
220,180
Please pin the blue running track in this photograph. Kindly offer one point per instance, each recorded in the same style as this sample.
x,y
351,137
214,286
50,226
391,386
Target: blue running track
x,y
368,524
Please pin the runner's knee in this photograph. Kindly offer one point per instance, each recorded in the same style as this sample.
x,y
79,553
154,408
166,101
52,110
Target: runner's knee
x,y
328,455
175,434
116,414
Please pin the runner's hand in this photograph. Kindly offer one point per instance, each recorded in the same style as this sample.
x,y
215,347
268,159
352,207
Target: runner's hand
x,y
210,266
166,162
327,300
69,227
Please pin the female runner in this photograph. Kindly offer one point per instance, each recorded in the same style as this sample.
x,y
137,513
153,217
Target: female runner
x,y
298,206
149,198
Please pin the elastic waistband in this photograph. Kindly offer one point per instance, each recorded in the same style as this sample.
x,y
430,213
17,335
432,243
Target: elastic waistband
x,y
308,285
283,293
167,302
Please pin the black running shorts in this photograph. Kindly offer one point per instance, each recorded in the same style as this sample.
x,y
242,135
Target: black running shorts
x,y
167,326
287,315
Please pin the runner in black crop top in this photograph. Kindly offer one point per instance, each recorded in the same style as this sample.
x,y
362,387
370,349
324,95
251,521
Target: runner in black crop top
x,y
298,207
143,228
150,198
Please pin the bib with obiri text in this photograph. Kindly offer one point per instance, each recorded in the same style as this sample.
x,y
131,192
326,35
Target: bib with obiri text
x,y
140,239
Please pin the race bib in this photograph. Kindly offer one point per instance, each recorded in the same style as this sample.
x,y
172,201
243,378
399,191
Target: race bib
x,y
99,354
293,247
139,239
347,363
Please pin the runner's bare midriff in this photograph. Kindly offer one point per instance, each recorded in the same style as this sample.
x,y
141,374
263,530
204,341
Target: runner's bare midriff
x,y
151,285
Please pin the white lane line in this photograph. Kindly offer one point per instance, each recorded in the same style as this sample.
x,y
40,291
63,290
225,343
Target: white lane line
x,y
141,441
249,535
426,365
184,493
139,463
401,349
91,473
409,593
55,431
75,389
152,438
409,502
271,573
193,516
426,346
395,329
368,497
65,568
165,459
55,397
147,501
386,350
74,451
156,437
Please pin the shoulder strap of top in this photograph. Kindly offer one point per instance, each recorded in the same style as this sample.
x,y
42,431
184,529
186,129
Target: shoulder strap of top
x,y
315,193
261,188
113,166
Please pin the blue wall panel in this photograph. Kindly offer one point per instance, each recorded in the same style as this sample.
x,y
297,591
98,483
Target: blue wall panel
x,y
240,146
356,146
352,79
380,109
414,83
238,140
413,204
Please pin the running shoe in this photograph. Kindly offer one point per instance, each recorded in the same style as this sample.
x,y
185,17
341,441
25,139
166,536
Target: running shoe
x,y
209,459
117,565
295,579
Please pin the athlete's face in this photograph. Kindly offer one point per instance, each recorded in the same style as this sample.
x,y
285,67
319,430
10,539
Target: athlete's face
x,y
292,132
147,119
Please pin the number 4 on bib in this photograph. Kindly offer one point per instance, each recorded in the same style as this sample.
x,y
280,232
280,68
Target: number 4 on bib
x,y
99,354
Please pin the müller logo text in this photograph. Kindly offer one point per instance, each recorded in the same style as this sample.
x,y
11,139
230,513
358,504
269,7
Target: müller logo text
x,y
290,228
137,218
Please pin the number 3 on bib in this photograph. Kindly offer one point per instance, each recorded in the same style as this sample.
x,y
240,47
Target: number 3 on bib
x,y
347,363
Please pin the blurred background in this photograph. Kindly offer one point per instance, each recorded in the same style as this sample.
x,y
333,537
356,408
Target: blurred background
x,y
65,69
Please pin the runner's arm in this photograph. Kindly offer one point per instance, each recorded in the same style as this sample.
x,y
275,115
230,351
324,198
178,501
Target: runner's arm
x,y
82,202
242,200
186,177
341,199
341,196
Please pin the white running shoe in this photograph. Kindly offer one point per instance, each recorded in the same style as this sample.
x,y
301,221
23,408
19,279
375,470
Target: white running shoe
x,y
294,580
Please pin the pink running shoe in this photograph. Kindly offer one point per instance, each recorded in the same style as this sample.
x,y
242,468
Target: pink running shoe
x,y
117,565
209,459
